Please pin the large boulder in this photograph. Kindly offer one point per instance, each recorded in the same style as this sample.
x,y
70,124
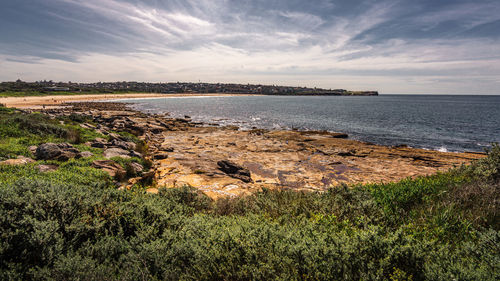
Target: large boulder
x,y
59,151
234,170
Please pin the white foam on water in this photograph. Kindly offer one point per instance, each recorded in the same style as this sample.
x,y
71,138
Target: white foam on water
x,y
442,149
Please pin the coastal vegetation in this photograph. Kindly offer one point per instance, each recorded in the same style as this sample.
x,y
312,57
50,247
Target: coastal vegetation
x,y
74,224
41,88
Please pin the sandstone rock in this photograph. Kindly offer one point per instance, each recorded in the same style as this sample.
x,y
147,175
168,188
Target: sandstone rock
x,y
99,143
135,154
133,181
234,170
116,152
111,167
21,160
85,154
136,167
156,129
52,151
115,136
346,153
123,144
47,168
152,190
87,126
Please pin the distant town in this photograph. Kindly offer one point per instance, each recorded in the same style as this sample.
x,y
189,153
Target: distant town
x,y
172,88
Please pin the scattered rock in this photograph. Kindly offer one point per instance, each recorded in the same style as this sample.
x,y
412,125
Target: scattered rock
x,y
21,160
160,156
346,153
47,168
166,148
87,126
111,167
32,149
339,135
60,151
136,168
85,154
133,181
234,170
135,154
115,136
152,190
400,146
99,143
116,152
123,144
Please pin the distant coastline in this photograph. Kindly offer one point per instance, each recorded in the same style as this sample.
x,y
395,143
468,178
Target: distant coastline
x,y
43,88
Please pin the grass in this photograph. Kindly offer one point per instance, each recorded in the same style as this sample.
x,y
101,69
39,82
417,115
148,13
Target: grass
x,y
72,224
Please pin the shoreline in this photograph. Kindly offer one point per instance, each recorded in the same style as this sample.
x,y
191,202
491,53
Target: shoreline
x,y
55,101
37,102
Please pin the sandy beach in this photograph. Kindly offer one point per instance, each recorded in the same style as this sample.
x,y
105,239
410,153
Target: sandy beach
x,y
40,101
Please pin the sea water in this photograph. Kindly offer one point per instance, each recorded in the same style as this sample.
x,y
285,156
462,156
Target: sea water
x,y
437,122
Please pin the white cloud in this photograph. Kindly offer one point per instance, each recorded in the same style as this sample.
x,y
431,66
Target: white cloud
x,y
213,41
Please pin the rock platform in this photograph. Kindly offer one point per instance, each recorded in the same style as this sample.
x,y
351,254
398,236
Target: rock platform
x,y
188,153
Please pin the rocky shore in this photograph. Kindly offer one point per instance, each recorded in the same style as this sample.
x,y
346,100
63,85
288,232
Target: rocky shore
x,y
227,161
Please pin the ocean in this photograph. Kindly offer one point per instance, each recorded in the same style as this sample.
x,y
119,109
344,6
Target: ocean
x,y
436,122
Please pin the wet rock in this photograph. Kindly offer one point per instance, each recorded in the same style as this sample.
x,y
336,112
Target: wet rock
x,y
59,152
111,167
47,168
116,152
234,170
85,154
339,135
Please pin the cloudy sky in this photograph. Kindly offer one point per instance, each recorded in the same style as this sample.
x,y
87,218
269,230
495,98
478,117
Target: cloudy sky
x,y
395,46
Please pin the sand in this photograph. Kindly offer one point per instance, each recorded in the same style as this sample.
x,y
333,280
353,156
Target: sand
x,y
54,101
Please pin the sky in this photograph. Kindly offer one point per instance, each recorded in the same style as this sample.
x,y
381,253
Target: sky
x,y
395,46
